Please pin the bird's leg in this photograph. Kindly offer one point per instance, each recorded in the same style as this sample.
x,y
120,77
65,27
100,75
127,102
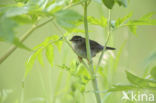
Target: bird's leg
x,y
88,61
80,59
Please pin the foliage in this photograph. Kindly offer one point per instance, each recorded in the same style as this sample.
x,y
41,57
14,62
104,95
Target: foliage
x,y
4,93
32,12
80,73
136,83
110,3
48,46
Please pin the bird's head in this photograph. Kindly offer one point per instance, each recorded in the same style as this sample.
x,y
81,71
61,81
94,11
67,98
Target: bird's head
x,y
77,39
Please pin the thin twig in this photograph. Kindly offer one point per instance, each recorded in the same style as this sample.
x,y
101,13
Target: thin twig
x,y
70,45
25,36
109,34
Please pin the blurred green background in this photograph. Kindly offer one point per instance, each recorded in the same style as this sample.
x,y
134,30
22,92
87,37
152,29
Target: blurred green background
x,y
42,81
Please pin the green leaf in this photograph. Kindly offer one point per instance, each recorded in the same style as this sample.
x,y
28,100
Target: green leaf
x,y
145,20
122,2
142,22
147,16
56,40
132,28
41,3
50,54
15,11
150,59
20,44
7,33
29,64
120,21
23,19
109,3
24,1
59,45
7,27
98,1
122,88
40,57
140,82
101,22
80,73
55,7
68,18
153,72
118,55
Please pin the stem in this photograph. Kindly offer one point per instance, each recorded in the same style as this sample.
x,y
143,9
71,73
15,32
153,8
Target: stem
x,y
70,45
22,38
27,34
22,92
58,84
108,32
94,80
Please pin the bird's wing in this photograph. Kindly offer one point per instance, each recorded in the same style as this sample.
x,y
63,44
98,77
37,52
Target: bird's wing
x,y
95,46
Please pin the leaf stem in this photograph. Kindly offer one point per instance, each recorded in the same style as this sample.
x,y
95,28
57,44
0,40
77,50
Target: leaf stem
x,y
109,34
22,38
94,80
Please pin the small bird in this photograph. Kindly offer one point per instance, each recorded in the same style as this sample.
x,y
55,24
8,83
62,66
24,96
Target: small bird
x,y
79,46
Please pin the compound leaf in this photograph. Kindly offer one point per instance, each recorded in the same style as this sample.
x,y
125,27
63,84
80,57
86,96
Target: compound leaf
x,y
50,54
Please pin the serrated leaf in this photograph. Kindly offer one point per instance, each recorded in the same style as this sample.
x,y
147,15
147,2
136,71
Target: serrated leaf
x,y
142,22
153,72
7,27
147,16
50,54
140,82
109,3
29,64
68,18
57,41
122,2
132,28
101,22
40,57
120,21
59,45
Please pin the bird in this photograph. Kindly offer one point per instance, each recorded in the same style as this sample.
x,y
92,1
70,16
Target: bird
x,y
79,46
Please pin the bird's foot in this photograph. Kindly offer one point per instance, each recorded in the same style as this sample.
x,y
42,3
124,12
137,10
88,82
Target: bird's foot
x,y
80,59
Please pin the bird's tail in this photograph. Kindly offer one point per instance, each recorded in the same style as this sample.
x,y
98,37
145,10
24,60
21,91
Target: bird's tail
x,y
110,48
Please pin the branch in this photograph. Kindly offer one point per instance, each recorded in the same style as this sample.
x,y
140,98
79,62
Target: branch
x,y
94,80
104,49
70,45
22,38
27,34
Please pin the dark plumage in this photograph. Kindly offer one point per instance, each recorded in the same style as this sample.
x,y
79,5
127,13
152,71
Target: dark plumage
x,y
79,45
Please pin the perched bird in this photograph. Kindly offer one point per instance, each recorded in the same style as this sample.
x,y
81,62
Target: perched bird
x,y
79,46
